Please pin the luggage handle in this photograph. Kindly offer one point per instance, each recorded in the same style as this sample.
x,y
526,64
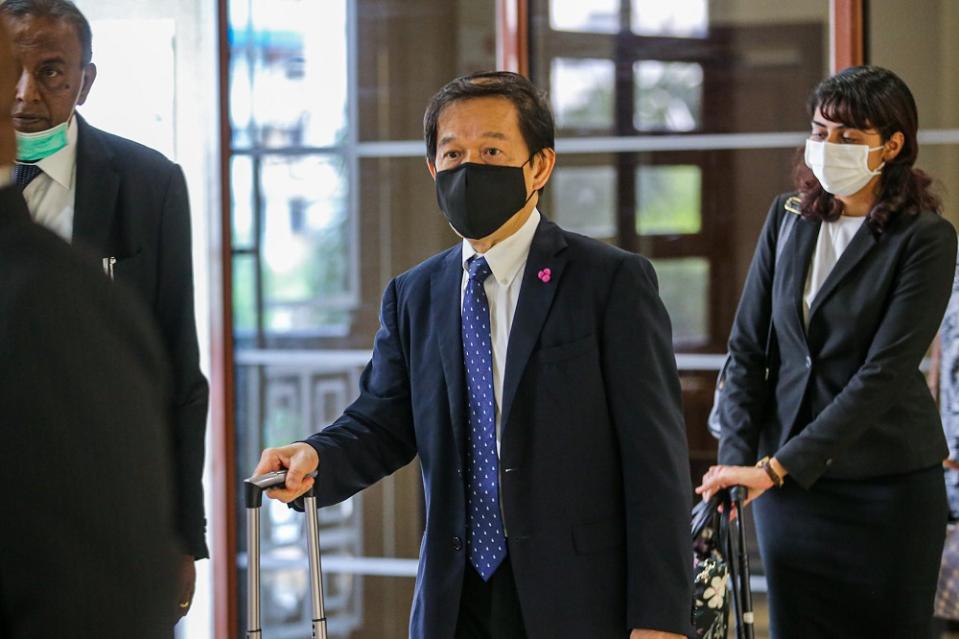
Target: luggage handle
x,y
739,562
254,500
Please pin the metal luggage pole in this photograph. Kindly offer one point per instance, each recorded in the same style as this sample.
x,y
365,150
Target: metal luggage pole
x,y
316,571
726,524
254,500
737,496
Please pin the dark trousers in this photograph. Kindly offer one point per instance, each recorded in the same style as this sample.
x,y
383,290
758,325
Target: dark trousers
x,y
490,609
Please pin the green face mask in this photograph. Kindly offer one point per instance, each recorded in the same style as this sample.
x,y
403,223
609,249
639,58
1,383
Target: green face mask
x,y
32,147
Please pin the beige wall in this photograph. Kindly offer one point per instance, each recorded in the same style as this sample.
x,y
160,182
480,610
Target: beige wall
x,y
917,40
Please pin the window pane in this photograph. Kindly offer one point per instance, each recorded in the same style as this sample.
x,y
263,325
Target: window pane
x,y
244,294
395,81
584,200
306,256
582,93
668,200
241,181
595,16
669,96
684,287
758,59
679,18
288,72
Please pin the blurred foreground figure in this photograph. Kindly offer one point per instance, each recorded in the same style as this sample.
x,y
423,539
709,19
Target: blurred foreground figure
x,y
87,547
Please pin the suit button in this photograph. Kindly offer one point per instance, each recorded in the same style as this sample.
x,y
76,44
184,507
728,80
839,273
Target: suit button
x,y
829,462
808,361
457,544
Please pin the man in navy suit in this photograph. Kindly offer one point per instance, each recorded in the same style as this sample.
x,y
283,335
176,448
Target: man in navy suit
x,y
532,372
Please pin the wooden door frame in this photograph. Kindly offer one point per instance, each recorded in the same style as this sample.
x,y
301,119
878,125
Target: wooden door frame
x,y
847,33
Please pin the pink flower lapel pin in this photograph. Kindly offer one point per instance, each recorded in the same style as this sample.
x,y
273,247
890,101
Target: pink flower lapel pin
x,y
545,275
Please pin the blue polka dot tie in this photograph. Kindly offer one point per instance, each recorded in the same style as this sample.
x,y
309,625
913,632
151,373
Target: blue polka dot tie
x,y
485,538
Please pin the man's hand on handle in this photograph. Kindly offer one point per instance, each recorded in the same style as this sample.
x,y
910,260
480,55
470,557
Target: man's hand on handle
x,y
298,460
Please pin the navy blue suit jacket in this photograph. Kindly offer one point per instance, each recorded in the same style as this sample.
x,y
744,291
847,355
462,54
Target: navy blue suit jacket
x,y
132,204
594,461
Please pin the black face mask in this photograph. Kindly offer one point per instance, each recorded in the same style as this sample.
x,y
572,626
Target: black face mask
x,y
477,199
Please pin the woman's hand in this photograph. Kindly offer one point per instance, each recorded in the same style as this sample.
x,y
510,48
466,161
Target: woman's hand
x,y
718,477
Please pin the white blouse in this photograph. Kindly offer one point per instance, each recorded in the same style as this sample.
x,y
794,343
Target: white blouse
x,y
834,237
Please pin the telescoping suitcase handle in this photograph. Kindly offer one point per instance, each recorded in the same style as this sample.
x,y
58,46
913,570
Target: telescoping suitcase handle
x,y
739,565
254,499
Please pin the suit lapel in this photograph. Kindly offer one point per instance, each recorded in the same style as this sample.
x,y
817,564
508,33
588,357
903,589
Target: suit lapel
x,y
807,232
445,293
862,242
97,186
535,298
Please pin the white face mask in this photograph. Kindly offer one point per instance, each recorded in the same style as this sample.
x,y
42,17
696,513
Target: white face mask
x,y
842,169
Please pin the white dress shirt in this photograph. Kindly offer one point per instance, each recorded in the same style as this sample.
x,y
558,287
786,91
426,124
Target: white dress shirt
x,y
834,237
51,195
507,261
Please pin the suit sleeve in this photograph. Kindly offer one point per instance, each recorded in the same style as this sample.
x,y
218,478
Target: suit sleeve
x,y
175,316
374,437
914,311
746,392
643,391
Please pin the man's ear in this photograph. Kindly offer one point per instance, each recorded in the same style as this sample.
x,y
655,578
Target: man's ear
x,y
89,75
541,168
431,167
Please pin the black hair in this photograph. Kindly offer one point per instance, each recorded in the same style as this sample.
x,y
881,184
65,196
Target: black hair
x,y
870,97
58,10
532,106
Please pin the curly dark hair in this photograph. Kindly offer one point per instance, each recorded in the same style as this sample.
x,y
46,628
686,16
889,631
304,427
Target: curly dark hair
x,y
870,97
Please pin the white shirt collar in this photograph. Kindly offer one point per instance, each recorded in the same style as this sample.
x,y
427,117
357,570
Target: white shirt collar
x,y
508,256
60,166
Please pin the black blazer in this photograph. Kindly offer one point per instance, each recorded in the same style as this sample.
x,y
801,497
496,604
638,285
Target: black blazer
x,y
595,471
131,204
844,398
87,544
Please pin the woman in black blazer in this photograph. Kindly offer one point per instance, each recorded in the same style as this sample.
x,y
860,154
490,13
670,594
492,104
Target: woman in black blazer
x,y
826,417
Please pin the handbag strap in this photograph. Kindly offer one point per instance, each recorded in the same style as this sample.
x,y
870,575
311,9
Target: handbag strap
x,y
792,213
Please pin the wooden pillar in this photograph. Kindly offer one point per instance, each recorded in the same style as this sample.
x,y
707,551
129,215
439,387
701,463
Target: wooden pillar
x,y
222,455
848,30
512,36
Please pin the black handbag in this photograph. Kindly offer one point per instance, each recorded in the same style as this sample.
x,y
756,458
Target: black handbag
x,y
719,555
714,420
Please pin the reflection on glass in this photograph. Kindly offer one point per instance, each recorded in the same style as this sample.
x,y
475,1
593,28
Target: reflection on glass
x,y
241,180
583,200
305,243
684,287
677,18
669,200
288,75
244,294
669,95
595,16
582,92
